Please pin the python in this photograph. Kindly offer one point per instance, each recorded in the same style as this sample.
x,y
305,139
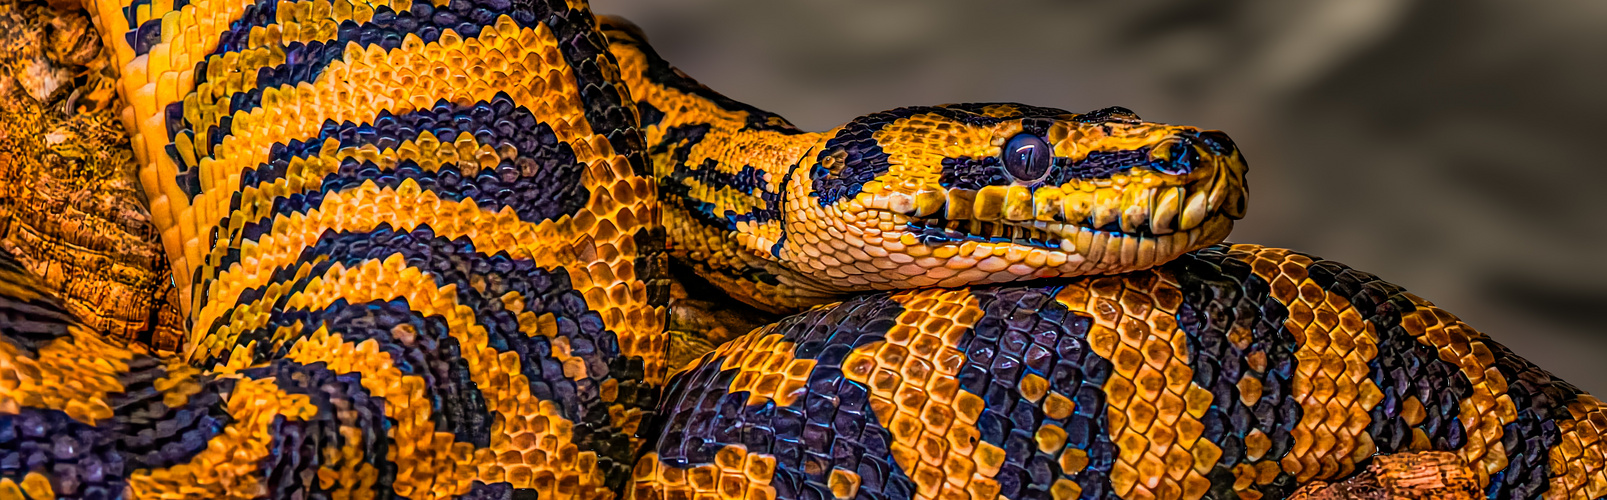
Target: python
x,y
920,196
423,251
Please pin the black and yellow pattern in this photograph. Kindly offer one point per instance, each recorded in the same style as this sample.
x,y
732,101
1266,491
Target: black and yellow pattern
x,y
414,246
920,196
1233,372
421,250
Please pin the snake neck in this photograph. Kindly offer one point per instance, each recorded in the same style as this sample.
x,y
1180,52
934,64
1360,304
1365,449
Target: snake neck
x,y
723,170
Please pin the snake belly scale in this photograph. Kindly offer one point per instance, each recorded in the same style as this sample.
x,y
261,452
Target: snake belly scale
x,y
423,252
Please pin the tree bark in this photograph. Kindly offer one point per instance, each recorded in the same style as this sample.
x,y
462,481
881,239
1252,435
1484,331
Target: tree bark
x,y
1432,475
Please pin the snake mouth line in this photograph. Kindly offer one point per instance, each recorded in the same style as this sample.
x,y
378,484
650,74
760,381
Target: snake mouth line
x,y
1039,233
1054,236
1070,218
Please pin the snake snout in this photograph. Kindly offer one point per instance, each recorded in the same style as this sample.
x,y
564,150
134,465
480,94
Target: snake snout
x,y
1183,154
1216,142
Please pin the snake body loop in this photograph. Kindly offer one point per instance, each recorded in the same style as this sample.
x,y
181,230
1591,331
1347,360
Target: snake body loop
x,y
423,249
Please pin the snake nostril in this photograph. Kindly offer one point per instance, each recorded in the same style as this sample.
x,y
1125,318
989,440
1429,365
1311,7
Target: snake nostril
x,y
1184,154
1216,142
1183,158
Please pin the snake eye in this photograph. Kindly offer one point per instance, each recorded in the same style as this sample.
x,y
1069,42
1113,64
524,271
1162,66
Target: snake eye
x,y
1026,157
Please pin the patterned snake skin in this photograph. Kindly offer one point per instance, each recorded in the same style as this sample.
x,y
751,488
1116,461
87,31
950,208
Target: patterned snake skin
x,y
423,249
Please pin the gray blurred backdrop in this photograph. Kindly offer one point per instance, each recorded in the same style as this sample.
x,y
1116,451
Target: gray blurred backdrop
x,y
1452,147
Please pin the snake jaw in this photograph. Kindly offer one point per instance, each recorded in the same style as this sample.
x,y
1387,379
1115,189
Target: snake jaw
x,y
1132,217
986,193
1134,201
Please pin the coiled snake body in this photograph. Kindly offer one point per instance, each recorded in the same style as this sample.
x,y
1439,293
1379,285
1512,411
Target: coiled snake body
x,y
422,250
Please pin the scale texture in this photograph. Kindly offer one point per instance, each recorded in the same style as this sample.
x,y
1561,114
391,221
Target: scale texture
x,y
1233,372
421,250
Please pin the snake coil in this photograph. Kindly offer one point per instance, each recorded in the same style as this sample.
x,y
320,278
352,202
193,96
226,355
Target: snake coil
x,y
423,248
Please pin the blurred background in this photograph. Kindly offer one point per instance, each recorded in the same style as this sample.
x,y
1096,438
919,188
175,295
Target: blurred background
x,y
1452,147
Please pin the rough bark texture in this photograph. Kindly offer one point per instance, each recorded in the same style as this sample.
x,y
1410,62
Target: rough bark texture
x,y
70,209
1430,475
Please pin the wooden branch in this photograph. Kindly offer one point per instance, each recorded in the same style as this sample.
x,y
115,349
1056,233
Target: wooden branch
x,y
1431,475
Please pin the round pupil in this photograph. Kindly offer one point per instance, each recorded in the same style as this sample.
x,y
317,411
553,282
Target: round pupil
x,y
1026,157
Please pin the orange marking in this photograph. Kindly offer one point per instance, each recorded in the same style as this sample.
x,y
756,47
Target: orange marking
x,y
73,374
178,384
307,174
1578,468
523,62
1317,317
344,465
767,370
230,466
1486,411
429,463
606,285
772,152
1331,379
734,475
532,447
520,61
363,209
532,444
937,444
1153,404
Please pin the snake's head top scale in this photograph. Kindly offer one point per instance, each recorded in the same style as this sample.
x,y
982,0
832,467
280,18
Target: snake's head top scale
x,y
981,193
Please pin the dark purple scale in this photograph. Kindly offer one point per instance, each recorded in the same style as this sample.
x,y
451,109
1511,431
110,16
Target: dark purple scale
x,y
547,186
676,188
30,324
434,353
1221,294
606,106
1026,322
435,356
85,461
305,62
496,491
297,444
831,426
847,435
1540,399
1404,367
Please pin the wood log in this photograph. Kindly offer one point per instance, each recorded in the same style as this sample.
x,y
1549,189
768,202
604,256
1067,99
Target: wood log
x,y
1430,475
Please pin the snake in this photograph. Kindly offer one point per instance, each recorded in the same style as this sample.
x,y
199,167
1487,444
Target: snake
x,y
428,249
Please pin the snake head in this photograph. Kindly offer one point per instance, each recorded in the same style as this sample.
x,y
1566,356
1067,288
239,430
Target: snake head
x,y
981,193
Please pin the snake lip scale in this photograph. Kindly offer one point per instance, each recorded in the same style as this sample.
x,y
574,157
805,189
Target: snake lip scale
x,y
1044,223
438,249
